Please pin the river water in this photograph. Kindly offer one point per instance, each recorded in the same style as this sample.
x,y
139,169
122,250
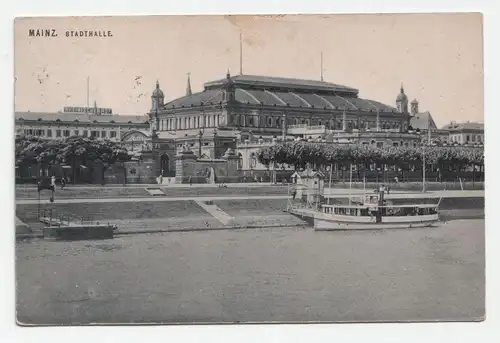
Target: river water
x,y
279,275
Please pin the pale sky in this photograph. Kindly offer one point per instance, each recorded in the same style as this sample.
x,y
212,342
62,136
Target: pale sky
x,y
438,57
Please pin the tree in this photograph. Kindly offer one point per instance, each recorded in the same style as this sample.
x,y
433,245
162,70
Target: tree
x,y
300,154
88,151
73,151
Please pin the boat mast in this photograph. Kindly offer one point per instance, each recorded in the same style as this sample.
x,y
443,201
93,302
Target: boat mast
x,y
350,182
329,186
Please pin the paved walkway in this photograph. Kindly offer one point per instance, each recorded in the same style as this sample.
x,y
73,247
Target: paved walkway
x,y
150,199
155,185
338,192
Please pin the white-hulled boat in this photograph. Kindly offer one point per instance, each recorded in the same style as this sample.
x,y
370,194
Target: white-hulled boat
x,y
370,212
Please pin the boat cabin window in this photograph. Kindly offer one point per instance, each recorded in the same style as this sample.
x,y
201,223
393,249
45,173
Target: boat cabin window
x,y
408,211
347,211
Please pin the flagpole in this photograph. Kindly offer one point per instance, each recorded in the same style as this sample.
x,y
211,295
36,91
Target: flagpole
x,y
322,66
88,86
241,55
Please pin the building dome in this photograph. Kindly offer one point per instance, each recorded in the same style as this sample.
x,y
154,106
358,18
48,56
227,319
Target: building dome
x,y
401,97
414,101
157,93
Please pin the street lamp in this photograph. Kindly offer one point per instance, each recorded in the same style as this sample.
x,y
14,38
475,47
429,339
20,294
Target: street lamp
x,y
200,135
215,142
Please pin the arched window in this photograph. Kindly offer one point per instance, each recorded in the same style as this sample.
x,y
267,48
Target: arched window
x,y
269,121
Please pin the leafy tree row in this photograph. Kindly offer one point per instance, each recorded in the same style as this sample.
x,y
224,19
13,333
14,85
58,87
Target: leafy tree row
x,y
72,151
300,154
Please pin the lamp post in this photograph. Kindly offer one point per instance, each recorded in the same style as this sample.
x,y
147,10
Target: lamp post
x,y
423,154
215,142
200,136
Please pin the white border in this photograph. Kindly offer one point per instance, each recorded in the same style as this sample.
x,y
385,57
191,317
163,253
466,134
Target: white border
x,y
439,332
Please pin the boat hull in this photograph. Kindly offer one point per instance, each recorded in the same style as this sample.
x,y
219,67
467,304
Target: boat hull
x,y
332,225
325,222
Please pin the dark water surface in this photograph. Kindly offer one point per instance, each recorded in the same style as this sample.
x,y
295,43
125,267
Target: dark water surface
x,y
290,275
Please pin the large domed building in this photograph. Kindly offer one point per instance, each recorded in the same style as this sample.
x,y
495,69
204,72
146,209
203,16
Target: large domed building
x,y
243,112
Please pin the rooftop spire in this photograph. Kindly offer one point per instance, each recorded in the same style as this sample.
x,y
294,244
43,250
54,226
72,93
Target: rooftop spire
x,y
188,87
402,88
157,85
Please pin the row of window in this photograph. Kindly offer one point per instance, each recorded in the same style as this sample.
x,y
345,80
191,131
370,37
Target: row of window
x,y
190,122
467,138
67,133
254,121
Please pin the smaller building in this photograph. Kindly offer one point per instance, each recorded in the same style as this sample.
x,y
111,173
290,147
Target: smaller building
x,y
468,133
54,125
309,184
423,121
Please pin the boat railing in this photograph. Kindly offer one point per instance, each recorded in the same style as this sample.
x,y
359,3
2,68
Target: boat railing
x,y
387,210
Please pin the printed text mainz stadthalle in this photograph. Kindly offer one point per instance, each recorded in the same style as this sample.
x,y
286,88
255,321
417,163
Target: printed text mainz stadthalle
x,y
69,33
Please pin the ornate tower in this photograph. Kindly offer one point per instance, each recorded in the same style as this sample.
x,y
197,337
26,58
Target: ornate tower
x,y
402,101
157,98
414,107
229,89
157,101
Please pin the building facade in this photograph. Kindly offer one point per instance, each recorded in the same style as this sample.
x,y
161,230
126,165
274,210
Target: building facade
x,y
465,133
65,124
238,110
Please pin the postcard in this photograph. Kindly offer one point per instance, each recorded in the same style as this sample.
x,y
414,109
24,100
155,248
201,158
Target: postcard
x,y
249,169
